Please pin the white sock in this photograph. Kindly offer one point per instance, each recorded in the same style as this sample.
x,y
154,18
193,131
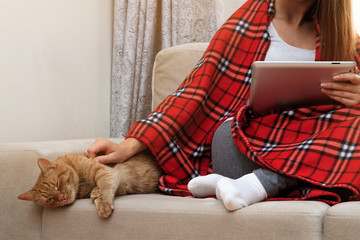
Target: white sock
x,y
204,186
241,192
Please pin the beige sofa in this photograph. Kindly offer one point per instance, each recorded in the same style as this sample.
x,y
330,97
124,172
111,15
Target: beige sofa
x,y
157,216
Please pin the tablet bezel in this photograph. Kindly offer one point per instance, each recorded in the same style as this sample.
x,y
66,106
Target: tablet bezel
x,y
283,85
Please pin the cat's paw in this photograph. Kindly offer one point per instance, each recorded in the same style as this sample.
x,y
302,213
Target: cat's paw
x,y
104,208
95,193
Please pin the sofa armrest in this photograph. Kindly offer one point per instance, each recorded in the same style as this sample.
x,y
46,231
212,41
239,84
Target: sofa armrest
x,y
18,173
171,67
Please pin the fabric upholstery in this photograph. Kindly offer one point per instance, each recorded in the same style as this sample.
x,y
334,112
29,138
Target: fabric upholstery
x,y
181,60
19,171
156,216
342,221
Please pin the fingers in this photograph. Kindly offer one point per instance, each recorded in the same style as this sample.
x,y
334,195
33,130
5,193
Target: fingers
x,y
345,98
114,152
340,86
351,77
345,89
110,151
109,158
100,145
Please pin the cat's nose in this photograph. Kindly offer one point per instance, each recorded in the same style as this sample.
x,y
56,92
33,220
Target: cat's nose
x,y
61,197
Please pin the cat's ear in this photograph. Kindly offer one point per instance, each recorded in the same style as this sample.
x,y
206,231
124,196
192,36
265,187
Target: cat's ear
x,y
28,196
45,165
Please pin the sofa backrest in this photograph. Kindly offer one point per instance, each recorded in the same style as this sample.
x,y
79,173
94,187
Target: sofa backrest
x,y
171,67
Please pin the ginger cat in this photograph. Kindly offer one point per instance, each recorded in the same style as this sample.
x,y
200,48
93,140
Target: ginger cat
x,y
77,176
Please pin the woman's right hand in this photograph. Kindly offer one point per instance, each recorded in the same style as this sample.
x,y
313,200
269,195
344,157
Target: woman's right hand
x,y
114,152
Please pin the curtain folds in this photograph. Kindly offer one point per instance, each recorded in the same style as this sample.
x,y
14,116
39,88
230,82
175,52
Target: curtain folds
x,y
141,29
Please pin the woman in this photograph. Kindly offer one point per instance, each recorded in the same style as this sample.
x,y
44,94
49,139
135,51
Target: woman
x,y
316,146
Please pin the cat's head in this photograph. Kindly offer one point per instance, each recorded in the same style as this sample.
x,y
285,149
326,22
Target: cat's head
x,y
56,186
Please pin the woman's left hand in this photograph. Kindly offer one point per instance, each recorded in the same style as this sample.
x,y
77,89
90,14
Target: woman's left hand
x,y
345,88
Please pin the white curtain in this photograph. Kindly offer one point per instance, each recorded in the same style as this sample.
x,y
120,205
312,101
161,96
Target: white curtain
x,y
141,29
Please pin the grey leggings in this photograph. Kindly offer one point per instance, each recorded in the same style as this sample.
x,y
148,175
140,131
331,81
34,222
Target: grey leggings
x,y
228,161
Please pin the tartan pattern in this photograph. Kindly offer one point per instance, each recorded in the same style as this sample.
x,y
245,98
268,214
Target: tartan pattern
x,y
313,144
347,151
268,146
179,92
305,145
199,64
223,65
153,118
242,27
317,144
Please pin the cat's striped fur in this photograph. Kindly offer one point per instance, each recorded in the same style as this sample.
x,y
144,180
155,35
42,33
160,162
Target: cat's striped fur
x,y
77,176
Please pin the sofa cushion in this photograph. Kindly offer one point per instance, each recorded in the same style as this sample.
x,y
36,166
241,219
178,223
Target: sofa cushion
x,y
342,221
157,216
171,67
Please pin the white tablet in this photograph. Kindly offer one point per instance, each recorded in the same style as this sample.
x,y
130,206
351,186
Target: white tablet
x,y
278,86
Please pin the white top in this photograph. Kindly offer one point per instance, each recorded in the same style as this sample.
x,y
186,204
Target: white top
x,y
281,51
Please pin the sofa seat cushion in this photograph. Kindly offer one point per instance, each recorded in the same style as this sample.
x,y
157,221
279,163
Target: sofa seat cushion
x,y
157,216
342,221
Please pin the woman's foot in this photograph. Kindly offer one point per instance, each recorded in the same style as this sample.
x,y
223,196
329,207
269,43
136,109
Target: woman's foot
x,y
204,186
241,192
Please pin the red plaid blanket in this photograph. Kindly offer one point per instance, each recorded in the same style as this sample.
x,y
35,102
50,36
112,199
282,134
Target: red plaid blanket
x,y
318,144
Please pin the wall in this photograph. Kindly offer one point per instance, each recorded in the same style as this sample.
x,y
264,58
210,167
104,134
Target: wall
x,y
55,69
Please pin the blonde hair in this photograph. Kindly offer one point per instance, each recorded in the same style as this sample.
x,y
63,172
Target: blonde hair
x,y
337,31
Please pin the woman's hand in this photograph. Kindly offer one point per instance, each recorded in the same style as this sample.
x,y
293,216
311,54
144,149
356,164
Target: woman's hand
x,y
114,152
345,88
